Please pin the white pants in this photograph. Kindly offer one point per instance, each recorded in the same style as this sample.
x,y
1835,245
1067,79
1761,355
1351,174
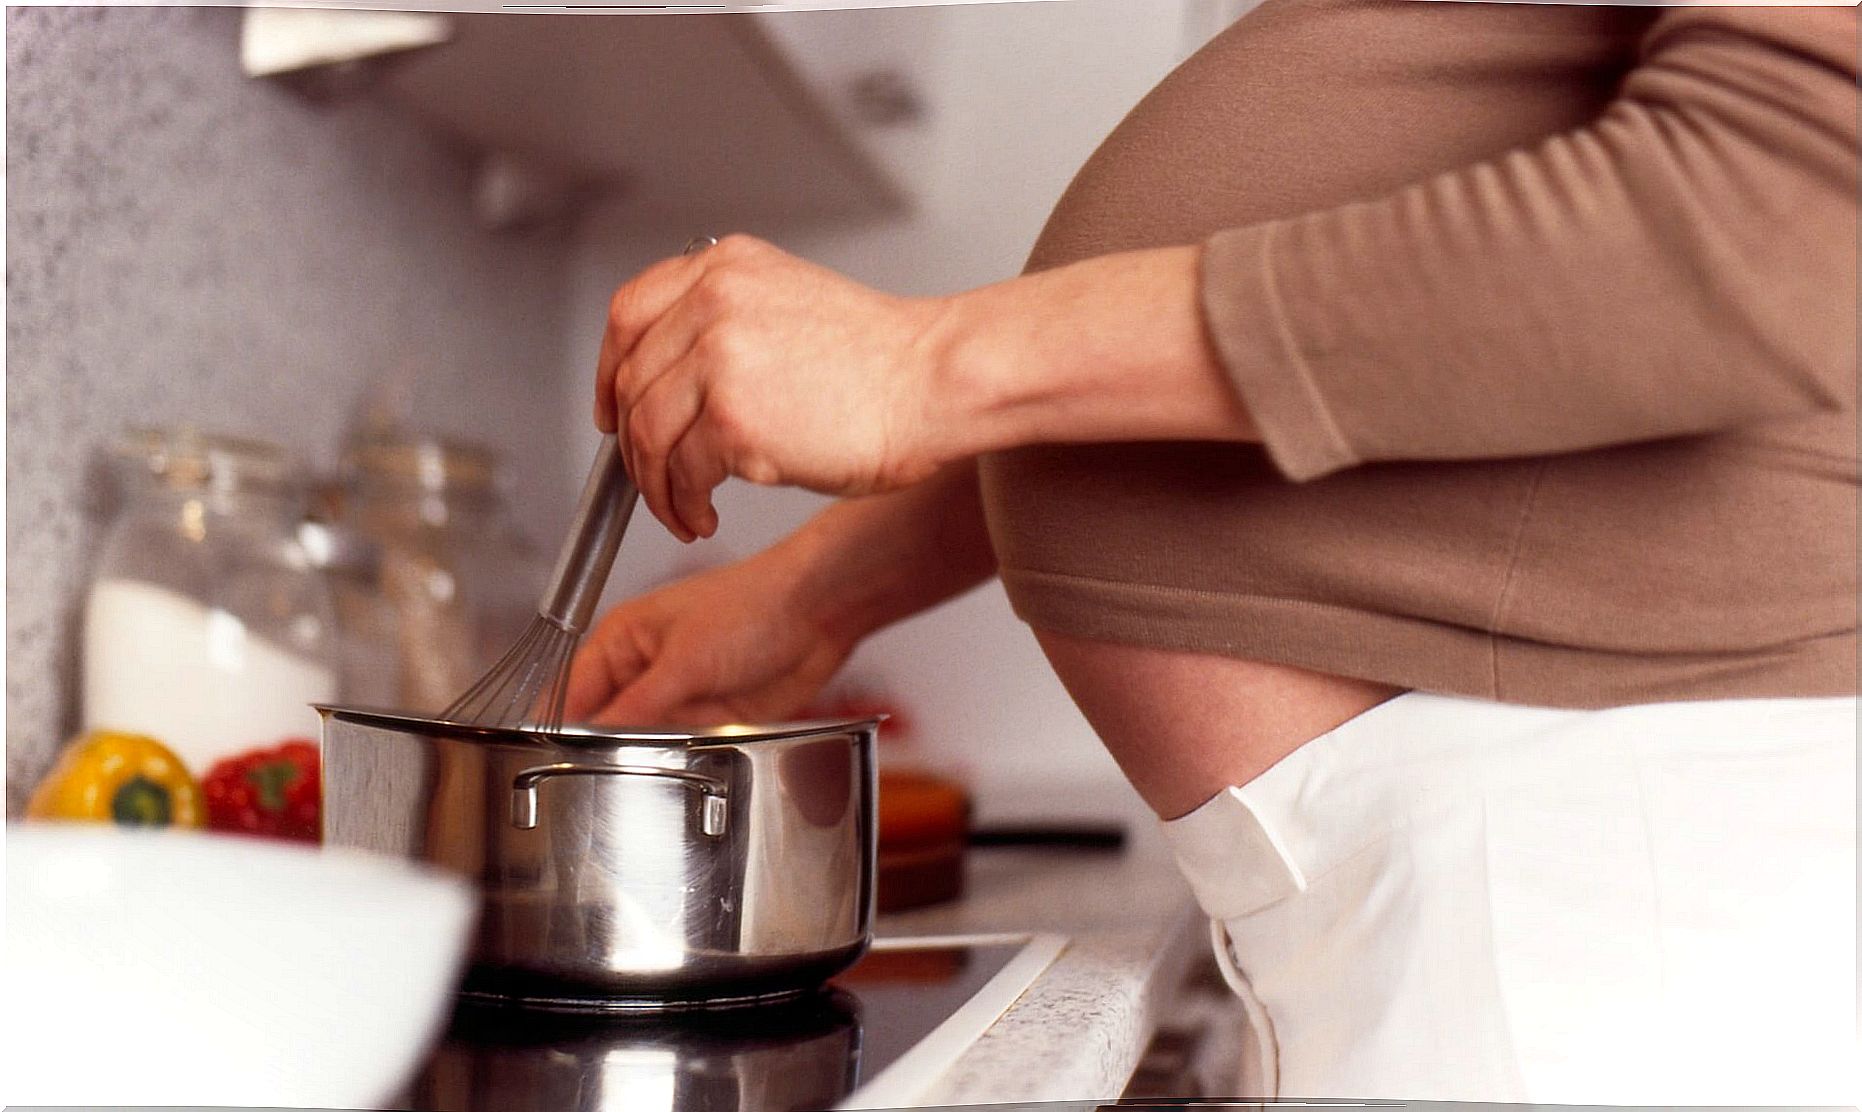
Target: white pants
x,y
1459,900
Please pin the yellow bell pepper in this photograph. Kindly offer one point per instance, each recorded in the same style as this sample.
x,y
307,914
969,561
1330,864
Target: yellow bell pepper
x,y
124,778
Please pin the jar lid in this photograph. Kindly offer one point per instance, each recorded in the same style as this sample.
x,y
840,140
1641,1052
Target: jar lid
x,y
186,458
422,463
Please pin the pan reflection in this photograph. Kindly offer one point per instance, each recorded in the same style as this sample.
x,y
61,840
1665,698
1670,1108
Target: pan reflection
x,y
779,1058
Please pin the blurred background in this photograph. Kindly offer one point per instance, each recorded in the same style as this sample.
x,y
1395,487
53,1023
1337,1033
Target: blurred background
x,y
350,269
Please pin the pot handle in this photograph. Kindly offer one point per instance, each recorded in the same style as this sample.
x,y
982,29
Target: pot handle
x,y
712,816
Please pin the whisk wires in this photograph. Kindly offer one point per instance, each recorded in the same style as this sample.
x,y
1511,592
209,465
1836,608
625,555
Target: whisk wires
x,y
527,688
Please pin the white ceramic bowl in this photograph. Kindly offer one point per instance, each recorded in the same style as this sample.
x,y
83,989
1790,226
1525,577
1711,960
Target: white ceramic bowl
x,y
181,968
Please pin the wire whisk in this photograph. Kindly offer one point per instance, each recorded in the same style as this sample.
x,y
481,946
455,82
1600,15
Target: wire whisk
x,y
529,685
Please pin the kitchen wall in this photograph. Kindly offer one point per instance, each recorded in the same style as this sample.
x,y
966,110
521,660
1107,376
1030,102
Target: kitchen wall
x,y
1019,95
185,245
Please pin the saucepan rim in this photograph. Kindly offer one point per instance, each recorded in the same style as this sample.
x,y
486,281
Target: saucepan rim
x,y
585,736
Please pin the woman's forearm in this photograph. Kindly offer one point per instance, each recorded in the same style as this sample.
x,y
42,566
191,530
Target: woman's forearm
x,y
1110,349
867,562
746,361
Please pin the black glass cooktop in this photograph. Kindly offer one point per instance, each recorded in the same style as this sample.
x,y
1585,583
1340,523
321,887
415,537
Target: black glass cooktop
x,y
805,1054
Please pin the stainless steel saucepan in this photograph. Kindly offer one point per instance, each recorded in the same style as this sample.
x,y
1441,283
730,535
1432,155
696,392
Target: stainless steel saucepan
x,y
626,870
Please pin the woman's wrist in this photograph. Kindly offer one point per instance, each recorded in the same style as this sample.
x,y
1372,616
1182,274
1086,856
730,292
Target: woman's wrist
x,y
862,564
811,569
1110,349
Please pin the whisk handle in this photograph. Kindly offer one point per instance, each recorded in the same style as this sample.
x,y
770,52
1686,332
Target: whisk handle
x,y
594,537
595,534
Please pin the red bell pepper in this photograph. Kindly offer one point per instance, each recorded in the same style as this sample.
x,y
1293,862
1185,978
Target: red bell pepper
x,y
274,792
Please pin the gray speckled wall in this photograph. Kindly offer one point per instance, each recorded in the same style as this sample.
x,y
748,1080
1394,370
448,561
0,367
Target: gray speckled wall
x,y
187,245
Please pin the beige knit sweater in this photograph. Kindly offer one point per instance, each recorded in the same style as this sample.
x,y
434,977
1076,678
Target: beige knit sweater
x,y
1548,317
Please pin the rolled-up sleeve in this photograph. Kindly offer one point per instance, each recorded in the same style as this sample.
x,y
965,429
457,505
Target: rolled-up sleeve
x,y
1684,264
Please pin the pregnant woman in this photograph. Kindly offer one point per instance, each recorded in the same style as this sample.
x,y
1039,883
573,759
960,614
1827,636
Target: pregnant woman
x,y
1424,444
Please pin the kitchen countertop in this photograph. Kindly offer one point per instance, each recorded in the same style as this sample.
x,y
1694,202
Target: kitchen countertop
x,y
1078,1032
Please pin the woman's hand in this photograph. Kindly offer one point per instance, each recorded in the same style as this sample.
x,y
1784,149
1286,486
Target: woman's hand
x,y
735,644
743,360
755,641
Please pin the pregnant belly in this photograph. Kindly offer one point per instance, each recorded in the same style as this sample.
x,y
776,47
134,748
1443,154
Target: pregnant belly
x,y
1183,726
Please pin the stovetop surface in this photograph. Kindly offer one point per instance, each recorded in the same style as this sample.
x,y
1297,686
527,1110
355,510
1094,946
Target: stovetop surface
x,y
800,1055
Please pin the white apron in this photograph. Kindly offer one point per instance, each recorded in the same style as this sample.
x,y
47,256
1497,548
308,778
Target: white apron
x,y
1460,900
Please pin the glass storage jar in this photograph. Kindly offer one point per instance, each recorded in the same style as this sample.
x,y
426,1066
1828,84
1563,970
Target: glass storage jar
x,y
460,579
205,625
368,671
